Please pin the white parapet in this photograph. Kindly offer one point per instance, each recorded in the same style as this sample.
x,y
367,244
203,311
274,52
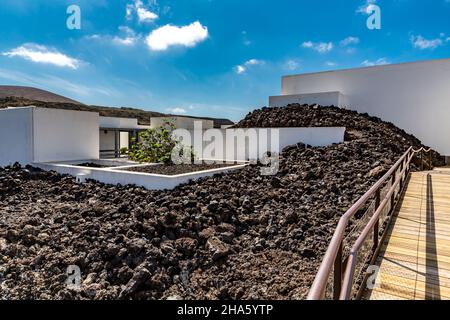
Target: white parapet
x,y
117,175
253,143
332,98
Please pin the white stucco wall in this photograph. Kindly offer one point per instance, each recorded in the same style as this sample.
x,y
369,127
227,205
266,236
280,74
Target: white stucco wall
x,y
321,98
267,139
146,180
120,123
414,96
181,122
61,135
16,143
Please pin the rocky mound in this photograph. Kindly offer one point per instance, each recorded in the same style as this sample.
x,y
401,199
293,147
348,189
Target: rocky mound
x,y
296,115
237,235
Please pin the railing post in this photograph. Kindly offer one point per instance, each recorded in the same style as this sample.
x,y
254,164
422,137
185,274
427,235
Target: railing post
x,y
377,224
401,175
337,284
431,160
421,160
393,193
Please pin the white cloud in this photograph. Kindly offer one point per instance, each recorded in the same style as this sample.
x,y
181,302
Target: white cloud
x,y
130,38
93,37
188,36
378,62
253,62
177,110
422,43
143,14
129,12
126,37
321,47
366,8
242,68
330,64
349,41
42,54
245,39
291,65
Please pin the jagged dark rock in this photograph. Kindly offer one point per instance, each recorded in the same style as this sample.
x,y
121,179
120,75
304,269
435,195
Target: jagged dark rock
x,y
237,235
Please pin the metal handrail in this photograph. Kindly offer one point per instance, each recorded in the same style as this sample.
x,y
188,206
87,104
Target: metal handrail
x,y
333,255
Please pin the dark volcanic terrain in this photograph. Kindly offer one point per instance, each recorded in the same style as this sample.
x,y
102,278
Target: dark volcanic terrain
x,y
237,235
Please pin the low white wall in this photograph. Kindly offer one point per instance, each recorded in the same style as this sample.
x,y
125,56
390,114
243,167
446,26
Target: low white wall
x,y
181,122
16,143
263,140
321,98
146,180
413,96
120,123
61,135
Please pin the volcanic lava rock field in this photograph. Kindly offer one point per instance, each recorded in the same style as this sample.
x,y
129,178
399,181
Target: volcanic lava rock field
x,y
237,235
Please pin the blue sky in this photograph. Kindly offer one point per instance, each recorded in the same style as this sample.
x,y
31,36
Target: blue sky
x,y
219,58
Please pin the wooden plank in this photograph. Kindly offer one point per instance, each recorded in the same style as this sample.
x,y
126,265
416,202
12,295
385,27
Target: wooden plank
x,y
413,235
442,247
415,257
406,292
415,272
420,234
379,295
412,287
429,227
424,255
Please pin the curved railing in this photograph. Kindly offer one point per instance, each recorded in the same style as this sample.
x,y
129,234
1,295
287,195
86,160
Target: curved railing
x,y
333,262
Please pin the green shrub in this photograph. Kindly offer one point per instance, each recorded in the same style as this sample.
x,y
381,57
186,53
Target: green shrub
x,y
123,151
156,145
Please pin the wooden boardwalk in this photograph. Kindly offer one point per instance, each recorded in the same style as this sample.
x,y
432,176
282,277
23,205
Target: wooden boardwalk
x,y
414,259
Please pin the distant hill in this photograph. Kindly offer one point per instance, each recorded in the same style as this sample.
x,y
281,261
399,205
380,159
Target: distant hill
x,y
33,94
15,96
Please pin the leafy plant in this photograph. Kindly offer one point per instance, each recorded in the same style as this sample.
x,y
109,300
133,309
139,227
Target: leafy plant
x,y
123,151
156,145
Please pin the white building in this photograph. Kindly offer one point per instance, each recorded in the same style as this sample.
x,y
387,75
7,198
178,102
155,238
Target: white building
x,y
38,135
414,96
31,134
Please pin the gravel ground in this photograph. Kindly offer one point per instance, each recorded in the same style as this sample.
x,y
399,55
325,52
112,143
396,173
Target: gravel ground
x,y
237,235
172,170
91,165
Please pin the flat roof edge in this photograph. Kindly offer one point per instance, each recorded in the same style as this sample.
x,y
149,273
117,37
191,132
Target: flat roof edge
x,y
370,67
